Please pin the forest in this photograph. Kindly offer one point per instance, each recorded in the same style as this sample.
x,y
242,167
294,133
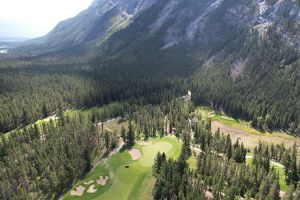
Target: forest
x,y
266,93
41,161
242,74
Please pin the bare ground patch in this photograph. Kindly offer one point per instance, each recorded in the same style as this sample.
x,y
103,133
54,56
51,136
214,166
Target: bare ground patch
x,y
54,117
251,140
92,189
135,154
102,180
89,182
78,192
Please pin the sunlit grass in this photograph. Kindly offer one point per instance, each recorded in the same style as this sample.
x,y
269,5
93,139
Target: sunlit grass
x,y
236,123
280,171
134,182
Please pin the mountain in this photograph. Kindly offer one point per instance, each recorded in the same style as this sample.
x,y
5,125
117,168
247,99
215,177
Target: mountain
x,y
240,56
96,23
190,20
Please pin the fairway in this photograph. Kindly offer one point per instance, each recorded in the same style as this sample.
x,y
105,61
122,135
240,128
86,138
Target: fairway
x,y
127,179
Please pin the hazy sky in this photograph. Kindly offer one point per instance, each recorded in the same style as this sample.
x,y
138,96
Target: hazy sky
x,y
33,18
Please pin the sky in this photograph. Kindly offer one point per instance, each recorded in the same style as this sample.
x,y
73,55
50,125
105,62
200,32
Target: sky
x,y
34,18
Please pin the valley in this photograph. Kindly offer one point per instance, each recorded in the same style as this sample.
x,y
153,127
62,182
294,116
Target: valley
x,y
173,100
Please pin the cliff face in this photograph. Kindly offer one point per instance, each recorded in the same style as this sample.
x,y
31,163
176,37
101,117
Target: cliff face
x,y
198,18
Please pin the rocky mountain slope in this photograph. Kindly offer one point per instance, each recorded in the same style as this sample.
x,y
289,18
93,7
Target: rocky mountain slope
x,y
180,20
95,24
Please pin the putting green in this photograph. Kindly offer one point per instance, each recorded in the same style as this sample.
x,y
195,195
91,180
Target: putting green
x,y
150,152
135,182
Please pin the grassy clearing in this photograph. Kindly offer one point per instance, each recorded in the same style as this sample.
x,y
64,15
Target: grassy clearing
x,y
116,125
242,131
84,111
235,123
192,161
280,171
135,182
228,121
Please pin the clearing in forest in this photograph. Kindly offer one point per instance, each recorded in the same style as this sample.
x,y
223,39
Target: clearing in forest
x,y
127,178
279,168
241,130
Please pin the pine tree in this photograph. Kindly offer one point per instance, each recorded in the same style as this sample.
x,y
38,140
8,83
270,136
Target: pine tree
x,y
130,134
292,171
157,164
228,147
60,116
45,111
274,191
123,134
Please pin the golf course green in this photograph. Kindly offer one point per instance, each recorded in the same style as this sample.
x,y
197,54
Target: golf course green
x,y
127,178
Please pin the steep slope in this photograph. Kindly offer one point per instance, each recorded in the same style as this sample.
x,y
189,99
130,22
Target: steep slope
x,y
100,20
241,56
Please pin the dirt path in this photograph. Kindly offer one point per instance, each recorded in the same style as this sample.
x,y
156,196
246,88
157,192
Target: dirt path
x,y
252,140
272,161
53,117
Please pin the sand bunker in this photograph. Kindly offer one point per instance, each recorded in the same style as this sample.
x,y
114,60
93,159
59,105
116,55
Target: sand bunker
x,y
145,143
92,189
102,180
89,182
135,154
78,192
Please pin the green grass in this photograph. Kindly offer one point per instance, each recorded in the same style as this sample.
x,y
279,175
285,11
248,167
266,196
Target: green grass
x,y
116,125
192,161
280,171
135,182
112,125
84,111
149,154
236,123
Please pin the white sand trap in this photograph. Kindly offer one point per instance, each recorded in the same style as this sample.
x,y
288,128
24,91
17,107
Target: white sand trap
x,y
92,189
78,192
145,143
135,154
89,182
102,180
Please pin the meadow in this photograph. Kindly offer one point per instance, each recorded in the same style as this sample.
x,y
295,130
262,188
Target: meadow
x,y
243,131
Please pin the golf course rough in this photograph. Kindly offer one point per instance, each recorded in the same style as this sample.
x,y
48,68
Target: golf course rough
x,y
128,179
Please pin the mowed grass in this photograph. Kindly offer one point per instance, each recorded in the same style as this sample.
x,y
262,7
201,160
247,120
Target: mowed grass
x,y
192,161
135,182
280,171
